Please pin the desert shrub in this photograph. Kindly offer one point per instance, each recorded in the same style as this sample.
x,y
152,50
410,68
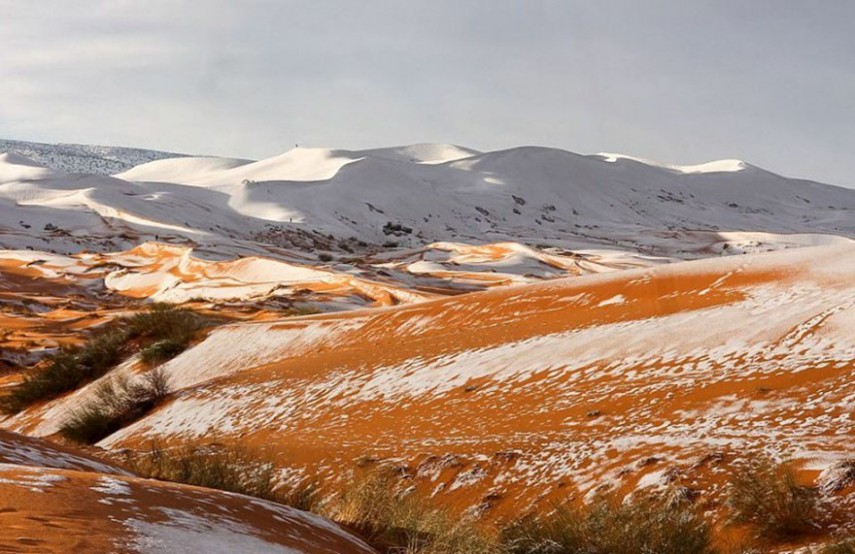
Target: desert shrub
x,y
229,468
171,328
401,522
767,496
67,370
117,403
161,332
156,386
559,532
608,526
647,525
88,425
163,321
233,469
163,351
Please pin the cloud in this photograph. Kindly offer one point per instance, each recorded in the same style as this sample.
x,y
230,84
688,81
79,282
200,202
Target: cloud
x,y
675,81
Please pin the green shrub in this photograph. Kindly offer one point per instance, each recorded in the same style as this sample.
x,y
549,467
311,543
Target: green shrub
x,y
161,332
164,321
88,425
767,496
117,403
67,370
163,351
608,526
172,329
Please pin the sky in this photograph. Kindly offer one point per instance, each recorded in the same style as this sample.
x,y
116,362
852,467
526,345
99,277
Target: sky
x,y
771,82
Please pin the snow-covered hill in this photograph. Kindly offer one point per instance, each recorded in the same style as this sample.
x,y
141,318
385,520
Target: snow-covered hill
x,y
340,200
83,158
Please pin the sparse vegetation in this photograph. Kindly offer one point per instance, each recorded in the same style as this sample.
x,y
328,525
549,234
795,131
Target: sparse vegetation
x,y
609,526
167,325
402,522
233,469
395,518
67,370
767,496
160,333
163,350
117,403
229,469
561,531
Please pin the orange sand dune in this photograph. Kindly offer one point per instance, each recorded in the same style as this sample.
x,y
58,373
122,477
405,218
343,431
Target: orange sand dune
x,y
674,375
48,300
53,500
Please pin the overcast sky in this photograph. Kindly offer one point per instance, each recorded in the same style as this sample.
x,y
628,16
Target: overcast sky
x,y
771,82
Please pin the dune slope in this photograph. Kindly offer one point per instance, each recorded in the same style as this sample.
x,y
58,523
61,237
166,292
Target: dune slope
x,y
53,500
632,379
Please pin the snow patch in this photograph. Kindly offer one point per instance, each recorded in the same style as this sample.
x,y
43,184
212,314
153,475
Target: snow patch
x,y
616,299
187,532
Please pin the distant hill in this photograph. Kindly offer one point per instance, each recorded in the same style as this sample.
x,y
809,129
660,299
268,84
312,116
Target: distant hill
x,y
408,197
83,158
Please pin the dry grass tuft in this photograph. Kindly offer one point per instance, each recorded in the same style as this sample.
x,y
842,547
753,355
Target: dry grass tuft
x,y
609,526
116,404
233,469
400,521
767,496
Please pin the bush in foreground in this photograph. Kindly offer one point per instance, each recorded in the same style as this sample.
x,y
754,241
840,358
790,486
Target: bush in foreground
x,y
401,522
608,526
229,469
233,469
767,496
395,521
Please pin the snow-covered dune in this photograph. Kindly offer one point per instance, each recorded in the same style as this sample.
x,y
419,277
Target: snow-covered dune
x,y
82,158
56,501
320,229
674,374
506,329
181,170
412,196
